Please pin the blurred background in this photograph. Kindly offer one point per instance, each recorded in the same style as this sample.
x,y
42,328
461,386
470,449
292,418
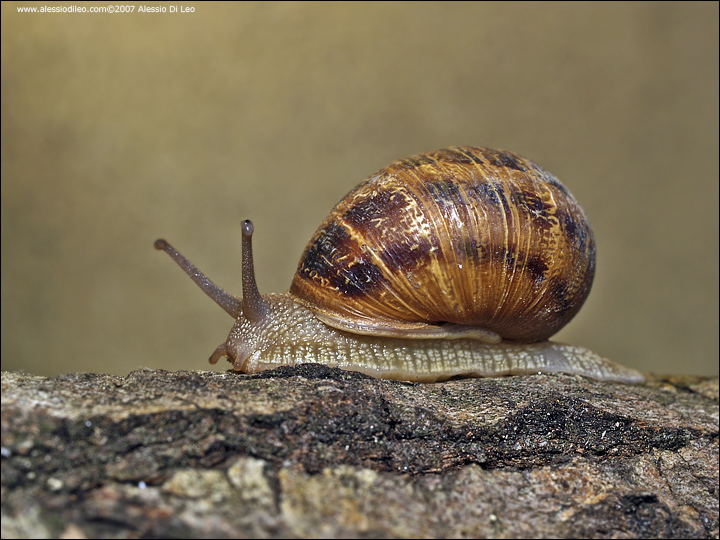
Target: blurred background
x,y
121,128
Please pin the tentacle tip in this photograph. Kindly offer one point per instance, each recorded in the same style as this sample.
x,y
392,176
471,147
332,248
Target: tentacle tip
x,y
218,354
247,228
160,244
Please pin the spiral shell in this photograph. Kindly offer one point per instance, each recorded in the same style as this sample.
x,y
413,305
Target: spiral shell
x,y
469,236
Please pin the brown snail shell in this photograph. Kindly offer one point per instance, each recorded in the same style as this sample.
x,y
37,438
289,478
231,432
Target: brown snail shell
x,y
453,262
470,236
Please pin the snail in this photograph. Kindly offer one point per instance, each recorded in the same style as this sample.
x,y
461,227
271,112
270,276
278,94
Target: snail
x,y
457,262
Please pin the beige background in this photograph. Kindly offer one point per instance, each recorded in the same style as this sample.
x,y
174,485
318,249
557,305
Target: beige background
x,y
121,128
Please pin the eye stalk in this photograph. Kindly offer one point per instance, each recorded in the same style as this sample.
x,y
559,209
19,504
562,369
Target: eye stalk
x,y
254,306
231,304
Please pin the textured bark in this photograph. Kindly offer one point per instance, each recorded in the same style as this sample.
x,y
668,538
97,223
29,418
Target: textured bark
x,y
313,451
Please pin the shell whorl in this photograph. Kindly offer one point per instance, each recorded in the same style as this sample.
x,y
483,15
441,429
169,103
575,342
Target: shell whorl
x,y
465,235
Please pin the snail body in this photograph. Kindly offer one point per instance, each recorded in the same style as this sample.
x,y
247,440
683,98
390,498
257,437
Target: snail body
x,y
458,262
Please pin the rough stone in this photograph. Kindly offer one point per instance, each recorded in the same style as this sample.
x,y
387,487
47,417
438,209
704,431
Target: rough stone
x,y
311,451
